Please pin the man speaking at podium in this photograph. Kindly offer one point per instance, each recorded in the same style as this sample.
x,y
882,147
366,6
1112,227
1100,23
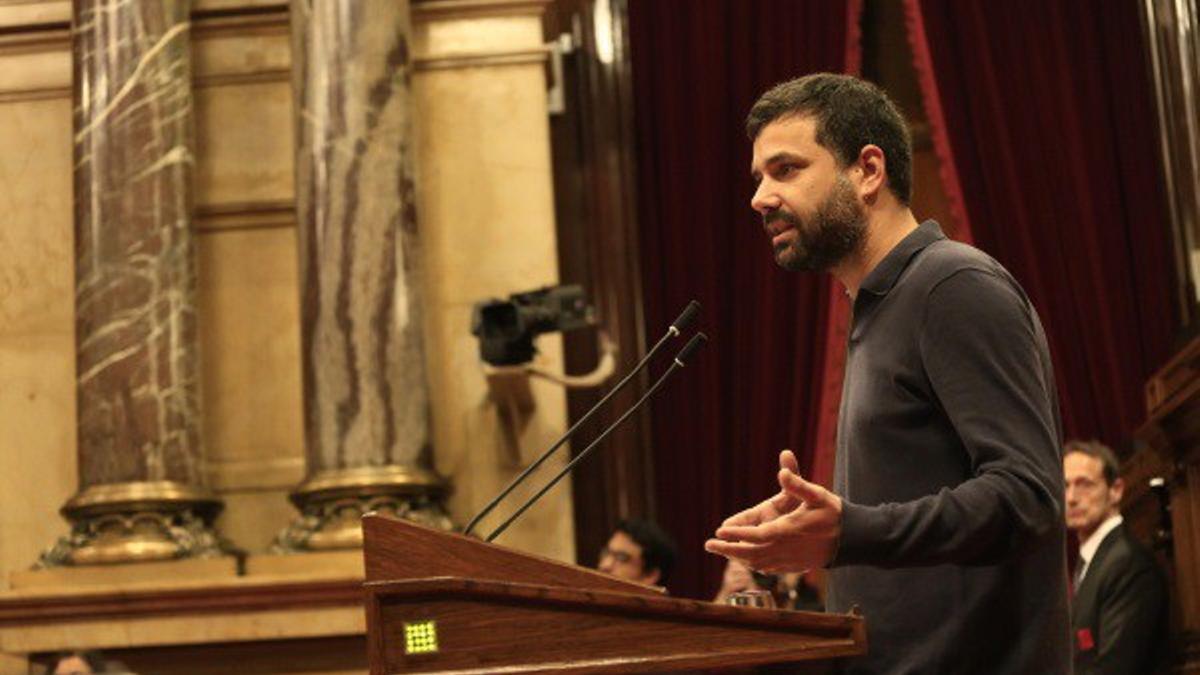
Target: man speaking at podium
x,y
945,523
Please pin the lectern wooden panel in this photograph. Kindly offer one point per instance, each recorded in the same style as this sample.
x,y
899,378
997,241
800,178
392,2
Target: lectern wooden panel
x,y
500,610
396,550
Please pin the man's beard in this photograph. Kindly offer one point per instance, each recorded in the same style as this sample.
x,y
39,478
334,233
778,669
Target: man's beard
x,y
831,235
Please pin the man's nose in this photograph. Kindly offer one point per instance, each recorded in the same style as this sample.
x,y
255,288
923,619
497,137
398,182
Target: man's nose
x,y
765,198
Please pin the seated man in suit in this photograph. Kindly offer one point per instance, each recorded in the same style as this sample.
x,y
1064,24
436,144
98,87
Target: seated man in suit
x,y
640,551
1119,609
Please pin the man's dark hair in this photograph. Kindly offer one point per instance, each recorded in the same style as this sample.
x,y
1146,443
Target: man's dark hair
x,y
850,113
658,549
93,659
1108,458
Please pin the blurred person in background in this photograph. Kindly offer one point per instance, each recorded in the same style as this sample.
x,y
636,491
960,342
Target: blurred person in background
x,y
638,551
1119,608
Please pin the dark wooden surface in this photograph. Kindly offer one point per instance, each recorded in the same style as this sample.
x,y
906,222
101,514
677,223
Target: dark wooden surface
x,y
499,610
487,626
397,549
1170,448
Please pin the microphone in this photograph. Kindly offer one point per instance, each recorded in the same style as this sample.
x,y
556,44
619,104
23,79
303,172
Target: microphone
x,y
685,318
680,361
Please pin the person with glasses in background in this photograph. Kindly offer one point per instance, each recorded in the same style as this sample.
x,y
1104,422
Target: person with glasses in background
x,y
638,551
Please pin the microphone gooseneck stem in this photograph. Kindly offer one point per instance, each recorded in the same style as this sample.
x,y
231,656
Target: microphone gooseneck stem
x,y
584,453
685,318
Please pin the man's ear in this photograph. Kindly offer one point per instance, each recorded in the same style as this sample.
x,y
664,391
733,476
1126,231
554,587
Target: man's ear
x,y
1118,490
873,166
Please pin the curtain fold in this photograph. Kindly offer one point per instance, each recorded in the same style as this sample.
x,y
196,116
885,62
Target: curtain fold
x,y
698,66
1047,112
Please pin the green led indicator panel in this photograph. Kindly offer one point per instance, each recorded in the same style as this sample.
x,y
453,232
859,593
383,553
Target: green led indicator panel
x,y
420,637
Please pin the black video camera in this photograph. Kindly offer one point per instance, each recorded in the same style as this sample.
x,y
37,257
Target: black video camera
x,y
506,328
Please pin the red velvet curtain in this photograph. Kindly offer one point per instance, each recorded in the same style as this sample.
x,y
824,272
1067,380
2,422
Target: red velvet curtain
x,y
698,66
1047,110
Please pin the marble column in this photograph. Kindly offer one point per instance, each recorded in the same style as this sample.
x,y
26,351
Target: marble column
x,y
142,492
366,400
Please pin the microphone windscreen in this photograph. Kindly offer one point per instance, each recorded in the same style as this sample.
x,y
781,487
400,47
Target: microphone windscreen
x,y
695,343
686,316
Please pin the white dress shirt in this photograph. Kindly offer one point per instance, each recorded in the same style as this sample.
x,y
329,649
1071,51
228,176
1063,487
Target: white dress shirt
x,y
1087,550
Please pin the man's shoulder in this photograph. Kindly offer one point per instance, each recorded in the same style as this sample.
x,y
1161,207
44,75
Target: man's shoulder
x,y
946,257
1122,551
971,273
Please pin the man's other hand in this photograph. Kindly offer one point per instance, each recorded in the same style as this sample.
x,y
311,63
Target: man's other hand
x,y
795,530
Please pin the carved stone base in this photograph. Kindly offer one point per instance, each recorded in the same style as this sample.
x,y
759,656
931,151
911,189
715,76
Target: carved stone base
x,y
137,522
332,504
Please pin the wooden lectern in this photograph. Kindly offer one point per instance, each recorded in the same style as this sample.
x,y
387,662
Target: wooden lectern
x,y
440,602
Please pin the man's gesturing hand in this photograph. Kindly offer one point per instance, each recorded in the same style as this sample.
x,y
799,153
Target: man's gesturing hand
x,y
795,530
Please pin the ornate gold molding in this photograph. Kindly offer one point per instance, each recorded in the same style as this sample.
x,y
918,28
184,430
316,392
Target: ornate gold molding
x,y
368,480
119,497
332,504
137,522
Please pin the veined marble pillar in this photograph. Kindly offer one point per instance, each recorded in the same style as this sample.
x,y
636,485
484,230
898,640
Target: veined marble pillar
x,y
366,401
142,494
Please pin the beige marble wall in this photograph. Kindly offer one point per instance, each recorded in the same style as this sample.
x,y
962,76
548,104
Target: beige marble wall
x,y
487,222
486,215
37,341
249,302
486,219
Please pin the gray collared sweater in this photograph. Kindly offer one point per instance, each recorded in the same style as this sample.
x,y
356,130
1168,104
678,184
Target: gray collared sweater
x,y
949,464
